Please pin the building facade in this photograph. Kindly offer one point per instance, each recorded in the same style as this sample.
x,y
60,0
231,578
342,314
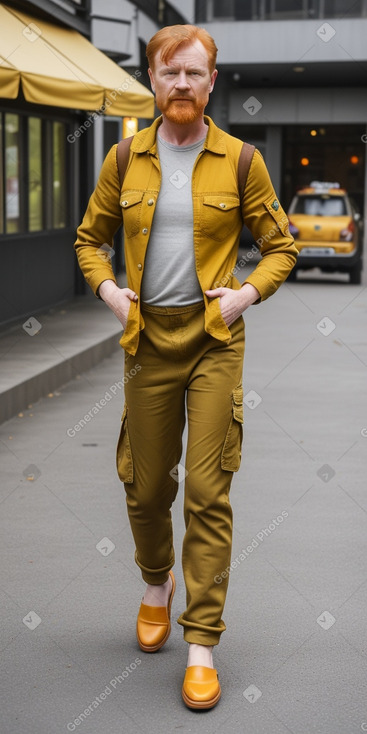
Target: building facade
x,y
51,149
292,80
294,83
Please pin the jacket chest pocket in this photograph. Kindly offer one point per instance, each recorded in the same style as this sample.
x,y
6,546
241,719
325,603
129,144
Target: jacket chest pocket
x,y
219,216
131,203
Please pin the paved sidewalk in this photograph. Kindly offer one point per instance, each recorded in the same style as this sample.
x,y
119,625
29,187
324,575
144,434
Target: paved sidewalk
x,y
47,350
294,657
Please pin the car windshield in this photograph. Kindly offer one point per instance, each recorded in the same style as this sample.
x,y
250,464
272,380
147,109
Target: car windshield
x,y
320,205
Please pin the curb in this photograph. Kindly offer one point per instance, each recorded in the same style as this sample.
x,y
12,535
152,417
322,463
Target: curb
x,y
19,396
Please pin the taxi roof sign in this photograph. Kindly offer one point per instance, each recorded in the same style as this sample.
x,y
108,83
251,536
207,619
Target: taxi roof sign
x,y
325,185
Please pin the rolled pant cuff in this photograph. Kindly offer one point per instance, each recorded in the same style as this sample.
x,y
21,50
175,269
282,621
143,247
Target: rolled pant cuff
x,y
154,576
198,638
201,634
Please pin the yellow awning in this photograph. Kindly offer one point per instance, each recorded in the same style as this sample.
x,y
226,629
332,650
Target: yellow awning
x,y
59,67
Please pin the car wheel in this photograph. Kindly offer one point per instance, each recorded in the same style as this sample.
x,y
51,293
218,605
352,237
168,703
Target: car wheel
x,y
355,274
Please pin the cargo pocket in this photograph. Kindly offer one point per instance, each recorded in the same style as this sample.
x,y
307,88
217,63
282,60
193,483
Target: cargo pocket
x,y
124,459
231,452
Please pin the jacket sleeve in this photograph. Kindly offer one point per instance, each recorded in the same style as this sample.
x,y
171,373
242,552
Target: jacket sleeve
x,y
268,223
101,221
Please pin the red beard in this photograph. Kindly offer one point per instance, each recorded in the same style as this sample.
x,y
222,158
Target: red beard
x,y
182,111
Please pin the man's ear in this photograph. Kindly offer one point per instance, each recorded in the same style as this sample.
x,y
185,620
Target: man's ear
x,y
213,77
151,77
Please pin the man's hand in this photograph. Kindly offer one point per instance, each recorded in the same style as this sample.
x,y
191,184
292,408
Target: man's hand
x,y
118,299
233,303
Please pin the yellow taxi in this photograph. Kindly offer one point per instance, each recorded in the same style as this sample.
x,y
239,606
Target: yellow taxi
x,y
326,226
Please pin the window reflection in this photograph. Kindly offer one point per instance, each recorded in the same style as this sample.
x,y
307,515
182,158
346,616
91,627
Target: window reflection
x,y
35,219
59,177
12,204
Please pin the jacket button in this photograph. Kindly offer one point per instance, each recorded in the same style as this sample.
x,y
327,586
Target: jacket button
x,y
222,205
150,202
124,203
139,266
144,230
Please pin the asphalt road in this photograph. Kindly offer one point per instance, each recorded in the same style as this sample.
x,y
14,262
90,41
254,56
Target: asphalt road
x,y
294,656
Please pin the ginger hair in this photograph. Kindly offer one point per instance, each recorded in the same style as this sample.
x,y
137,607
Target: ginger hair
x,y
168,39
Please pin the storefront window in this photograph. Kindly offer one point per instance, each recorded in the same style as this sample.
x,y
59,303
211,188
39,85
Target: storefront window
x,y
12,158
59,175
33,173
35,218
323,153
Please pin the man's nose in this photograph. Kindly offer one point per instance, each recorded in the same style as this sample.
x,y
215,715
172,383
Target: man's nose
x,y
182,81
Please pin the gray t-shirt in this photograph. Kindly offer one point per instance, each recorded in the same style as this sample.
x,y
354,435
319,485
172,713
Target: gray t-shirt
x,y
169,272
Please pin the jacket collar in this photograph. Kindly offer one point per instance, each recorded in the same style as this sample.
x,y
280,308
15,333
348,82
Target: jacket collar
x,y
146,140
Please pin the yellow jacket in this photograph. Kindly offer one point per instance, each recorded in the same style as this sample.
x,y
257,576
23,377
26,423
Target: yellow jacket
x,y
217,223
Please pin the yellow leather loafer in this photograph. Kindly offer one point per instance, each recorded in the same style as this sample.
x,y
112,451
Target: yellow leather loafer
x,y
153,625
201,689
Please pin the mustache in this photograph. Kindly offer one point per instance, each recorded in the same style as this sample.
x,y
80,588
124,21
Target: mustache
x,y
181,99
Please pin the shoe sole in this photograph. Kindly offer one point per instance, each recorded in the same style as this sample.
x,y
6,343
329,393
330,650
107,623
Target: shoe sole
x,y
155,648
191,704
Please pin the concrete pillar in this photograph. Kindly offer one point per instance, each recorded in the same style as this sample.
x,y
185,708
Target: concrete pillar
x,y
98,145
274,155
217,108
365,207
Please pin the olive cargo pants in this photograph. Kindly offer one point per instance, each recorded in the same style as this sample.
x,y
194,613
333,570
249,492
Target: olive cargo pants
x,y
179,361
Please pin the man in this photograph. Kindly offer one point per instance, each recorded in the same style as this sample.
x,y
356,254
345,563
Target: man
x,y
183,214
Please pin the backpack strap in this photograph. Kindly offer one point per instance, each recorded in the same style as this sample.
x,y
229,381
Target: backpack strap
x,y
122,157
244,163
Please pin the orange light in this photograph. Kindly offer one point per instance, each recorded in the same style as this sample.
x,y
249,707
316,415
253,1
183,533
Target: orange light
x,y
129,126
354,159
305,162
313,133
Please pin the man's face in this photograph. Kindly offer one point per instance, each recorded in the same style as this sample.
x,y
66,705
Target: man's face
x,y
182,86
